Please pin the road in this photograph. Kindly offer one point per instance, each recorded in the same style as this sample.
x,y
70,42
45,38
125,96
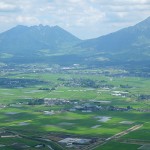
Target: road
x,y
116,136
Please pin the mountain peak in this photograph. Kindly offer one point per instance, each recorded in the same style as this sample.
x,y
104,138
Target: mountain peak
x,y
133,37
20,27
24,39
42,27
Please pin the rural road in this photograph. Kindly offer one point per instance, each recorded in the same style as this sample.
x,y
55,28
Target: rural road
x,y
116,136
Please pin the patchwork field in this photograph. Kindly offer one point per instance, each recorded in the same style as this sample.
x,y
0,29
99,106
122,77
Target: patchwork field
x,y
37,110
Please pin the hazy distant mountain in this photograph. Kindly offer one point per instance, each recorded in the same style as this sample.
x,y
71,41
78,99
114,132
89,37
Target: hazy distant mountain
x,y
123,39
24,44
23,39
129,43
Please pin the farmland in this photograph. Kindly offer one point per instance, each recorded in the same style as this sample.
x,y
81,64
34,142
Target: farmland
x,y
40,107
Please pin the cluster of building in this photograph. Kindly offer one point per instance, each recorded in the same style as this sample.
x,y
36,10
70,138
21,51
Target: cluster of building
x,y
119,93
71,142
2,106
87,107
55,101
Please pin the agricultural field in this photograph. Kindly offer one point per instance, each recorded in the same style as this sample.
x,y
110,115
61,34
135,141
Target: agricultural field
x,y
90,109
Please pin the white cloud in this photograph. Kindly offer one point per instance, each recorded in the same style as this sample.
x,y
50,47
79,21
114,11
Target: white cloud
x,y
27,20
7,7
85,18
121,2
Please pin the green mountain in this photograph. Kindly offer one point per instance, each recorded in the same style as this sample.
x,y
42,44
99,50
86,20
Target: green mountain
x,y
23,39
23,44
54,45
128,44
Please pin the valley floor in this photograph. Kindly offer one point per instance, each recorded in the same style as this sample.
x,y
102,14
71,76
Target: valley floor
x,y
73,109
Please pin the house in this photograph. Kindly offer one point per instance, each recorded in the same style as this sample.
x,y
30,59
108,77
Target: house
x,y
69,141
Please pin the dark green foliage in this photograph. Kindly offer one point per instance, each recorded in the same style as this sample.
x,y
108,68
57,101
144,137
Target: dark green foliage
x,y
36,102
85,82
13,83
125,86
144,97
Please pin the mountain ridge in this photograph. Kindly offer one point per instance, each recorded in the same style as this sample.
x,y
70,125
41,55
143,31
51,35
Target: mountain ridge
x,y
117,37
45,43
23,38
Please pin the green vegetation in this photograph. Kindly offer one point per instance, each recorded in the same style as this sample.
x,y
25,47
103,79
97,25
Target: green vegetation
x,y
52,105
117,145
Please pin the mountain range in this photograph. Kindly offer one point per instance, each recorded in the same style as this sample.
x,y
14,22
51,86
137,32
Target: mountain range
x,y
22,39
23,44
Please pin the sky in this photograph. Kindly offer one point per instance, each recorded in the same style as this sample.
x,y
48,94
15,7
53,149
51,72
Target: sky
x,y
83,18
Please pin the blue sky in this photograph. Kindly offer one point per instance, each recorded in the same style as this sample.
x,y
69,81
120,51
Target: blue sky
x,y
84,18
